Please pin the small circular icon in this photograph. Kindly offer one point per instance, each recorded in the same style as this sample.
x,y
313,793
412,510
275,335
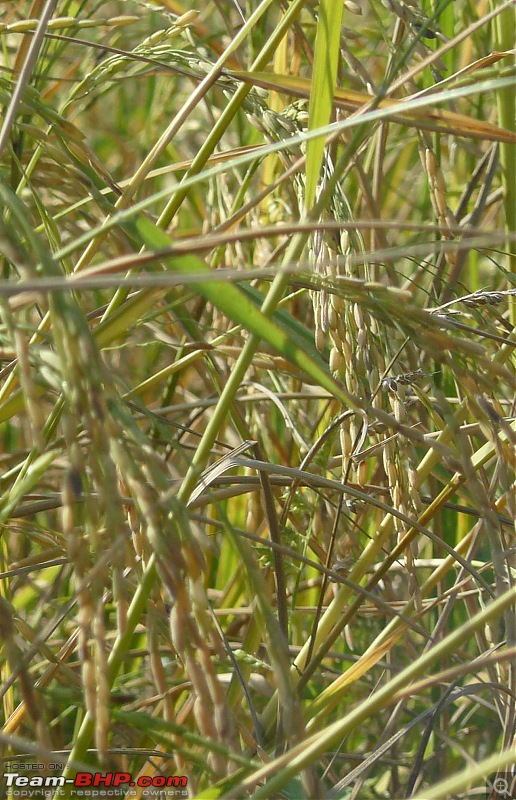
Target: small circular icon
x,y
501,785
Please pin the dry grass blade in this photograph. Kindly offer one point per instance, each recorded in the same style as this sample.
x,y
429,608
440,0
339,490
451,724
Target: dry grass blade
x,y
349,100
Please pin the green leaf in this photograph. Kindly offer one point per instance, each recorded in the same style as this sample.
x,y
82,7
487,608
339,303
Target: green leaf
x,y
30,475
237,305
324,79
298,332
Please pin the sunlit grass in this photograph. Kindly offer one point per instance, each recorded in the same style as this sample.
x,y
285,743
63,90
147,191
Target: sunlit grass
x,y
257,399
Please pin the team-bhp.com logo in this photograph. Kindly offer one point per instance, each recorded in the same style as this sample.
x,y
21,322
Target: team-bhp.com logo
x,y
94,784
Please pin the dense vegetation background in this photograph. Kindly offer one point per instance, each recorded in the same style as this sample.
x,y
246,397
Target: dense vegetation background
x,y
257,401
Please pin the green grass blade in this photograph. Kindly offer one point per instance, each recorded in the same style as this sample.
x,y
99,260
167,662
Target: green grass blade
x,y
324,79
233,302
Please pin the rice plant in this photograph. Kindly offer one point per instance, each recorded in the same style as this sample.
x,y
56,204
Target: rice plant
x,y
257,408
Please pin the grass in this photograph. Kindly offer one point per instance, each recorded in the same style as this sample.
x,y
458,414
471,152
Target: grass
x,y
257,404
